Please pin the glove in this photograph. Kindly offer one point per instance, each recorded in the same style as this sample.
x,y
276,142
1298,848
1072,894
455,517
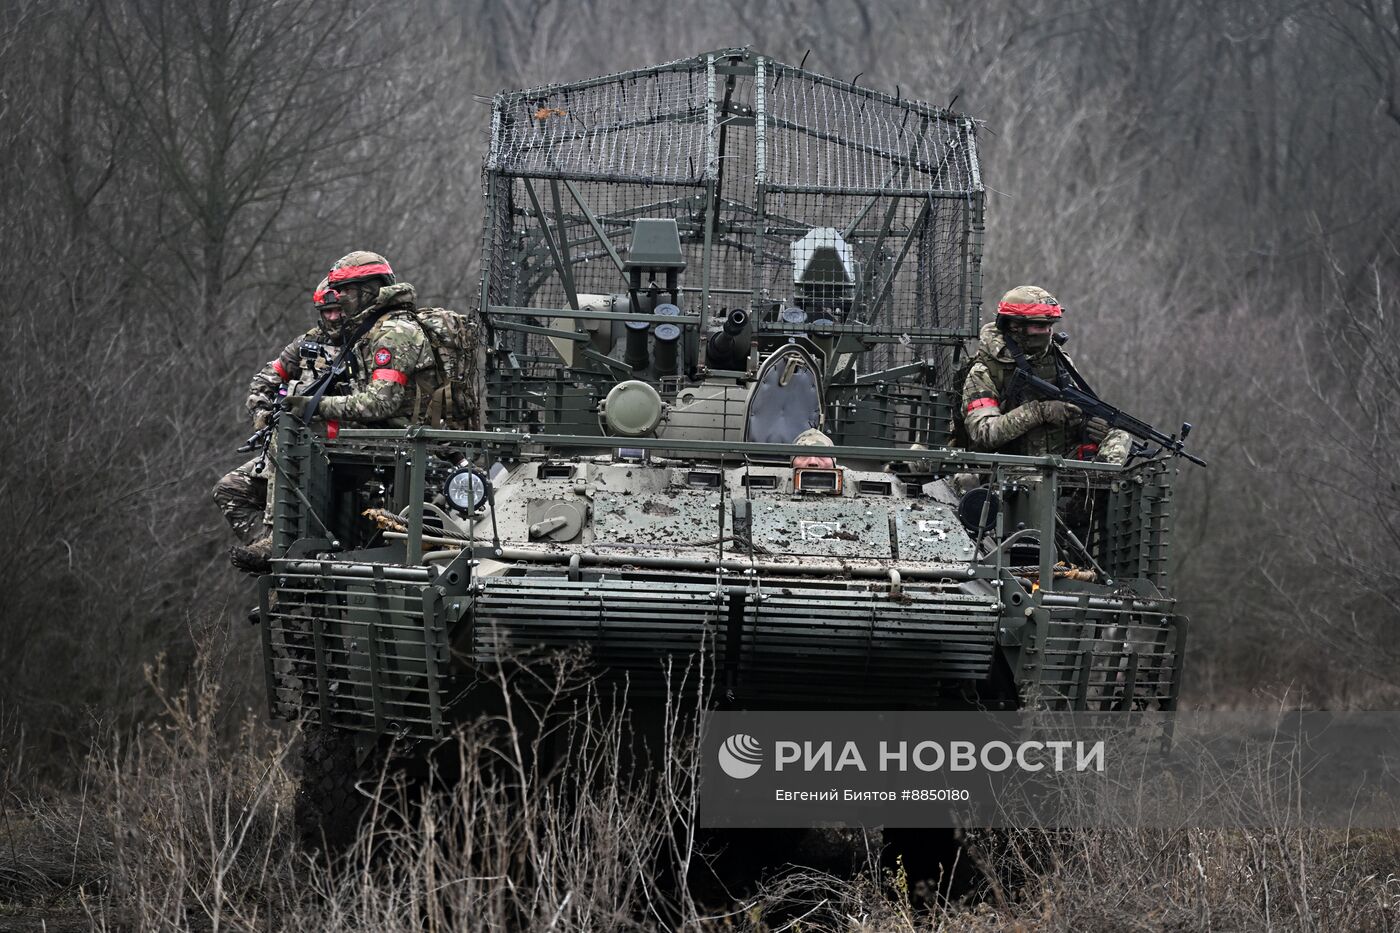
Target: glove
x,y
1095,430
295,405
1116,451
261,419
1056,414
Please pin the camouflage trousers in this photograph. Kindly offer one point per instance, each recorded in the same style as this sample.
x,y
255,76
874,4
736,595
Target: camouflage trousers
x,y
245,497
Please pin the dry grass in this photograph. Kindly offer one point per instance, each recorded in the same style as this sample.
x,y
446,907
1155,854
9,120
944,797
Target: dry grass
x,y
182,827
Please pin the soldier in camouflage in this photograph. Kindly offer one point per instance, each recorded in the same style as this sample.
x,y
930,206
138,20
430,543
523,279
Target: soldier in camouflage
x,y
813,438
395,376
1000,420
244,494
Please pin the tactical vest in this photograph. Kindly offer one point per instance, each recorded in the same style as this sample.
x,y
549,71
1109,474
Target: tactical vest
x,y
1044,439
1052,366
422,380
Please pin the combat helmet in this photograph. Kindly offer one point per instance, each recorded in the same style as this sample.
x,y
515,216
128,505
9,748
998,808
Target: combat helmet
x,y
360,266
1024,315
329,311
358,276
1028,303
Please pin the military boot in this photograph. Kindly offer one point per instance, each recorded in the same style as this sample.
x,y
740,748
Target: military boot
x,y
253,558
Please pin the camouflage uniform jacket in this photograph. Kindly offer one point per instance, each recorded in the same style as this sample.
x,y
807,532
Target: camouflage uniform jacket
x,y
394,375
269,381
1014,425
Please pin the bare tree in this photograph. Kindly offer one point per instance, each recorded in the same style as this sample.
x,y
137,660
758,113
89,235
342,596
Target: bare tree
x,y
249,110
1341,511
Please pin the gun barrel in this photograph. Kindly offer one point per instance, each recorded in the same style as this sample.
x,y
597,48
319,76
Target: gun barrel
x,y
254,440
728,346
1095,407
1193,458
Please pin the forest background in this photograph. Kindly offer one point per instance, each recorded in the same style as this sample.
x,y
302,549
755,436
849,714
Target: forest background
x,y
1209,186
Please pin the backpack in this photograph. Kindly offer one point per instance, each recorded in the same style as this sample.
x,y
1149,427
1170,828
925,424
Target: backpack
x,y
459,356
960,439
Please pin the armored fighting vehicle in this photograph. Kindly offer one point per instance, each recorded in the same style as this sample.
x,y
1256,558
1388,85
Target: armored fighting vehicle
x,y
685,269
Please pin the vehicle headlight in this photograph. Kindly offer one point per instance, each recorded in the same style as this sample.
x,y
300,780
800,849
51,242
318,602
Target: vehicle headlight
x,y
465,489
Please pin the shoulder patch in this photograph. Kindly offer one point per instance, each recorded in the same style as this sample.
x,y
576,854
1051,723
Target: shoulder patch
x,y
382,356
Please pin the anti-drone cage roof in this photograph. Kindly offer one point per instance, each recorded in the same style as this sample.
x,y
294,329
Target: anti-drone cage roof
x,y
790,189
662,125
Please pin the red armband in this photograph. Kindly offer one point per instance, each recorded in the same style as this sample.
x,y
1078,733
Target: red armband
x,y
281,370
332,429
981,403
390,375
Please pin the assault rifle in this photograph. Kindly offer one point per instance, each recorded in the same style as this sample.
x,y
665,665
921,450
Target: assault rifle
x,y
1093,407
312,353
337,371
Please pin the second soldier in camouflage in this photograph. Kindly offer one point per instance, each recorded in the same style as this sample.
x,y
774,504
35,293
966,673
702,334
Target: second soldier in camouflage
x,y
1000,418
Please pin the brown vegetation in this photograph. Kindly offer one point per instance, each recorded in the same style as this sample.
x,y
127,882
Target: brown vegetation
x,y
178,826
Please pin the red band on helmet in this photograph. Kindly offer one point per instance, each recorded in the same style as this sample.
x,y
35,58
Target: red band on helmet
x,y
320,294
359,272
982,403
332,430
390,375
1028,310
281,370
